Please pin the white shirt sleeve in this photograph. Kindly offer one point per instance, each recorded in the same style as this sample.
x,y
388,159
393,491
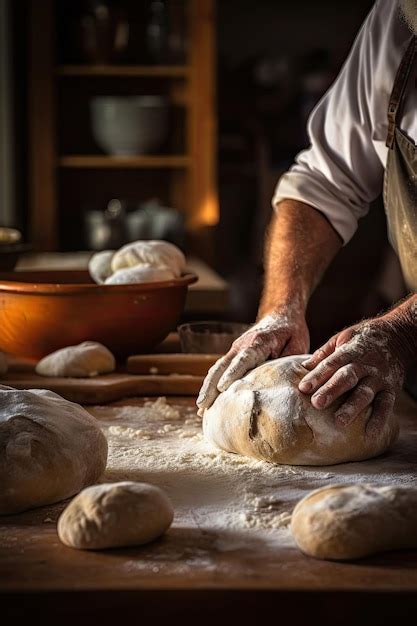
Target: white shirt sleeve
x,y
341,173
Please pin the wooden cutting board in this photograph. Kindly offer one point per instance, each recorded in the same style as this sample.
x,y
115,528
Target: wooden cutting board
x,y
178,363
108,388
147,375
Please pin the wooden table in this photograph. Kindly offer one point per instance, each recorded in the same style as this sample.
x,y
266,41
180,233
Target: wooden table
x,y
186,577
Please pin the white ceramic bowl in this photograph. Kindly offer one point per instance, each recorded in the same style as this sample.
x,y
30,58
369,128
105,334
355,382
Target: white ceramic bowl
x,y
132,125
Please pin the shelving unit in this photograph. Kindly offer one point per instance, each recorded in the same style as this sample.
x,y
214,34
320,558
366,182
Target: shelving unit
x,y
126,70
80,161
68,172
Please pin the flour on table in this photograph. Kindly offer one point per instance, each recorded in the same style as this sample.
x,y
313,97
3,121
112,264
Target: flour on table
x,y
237,499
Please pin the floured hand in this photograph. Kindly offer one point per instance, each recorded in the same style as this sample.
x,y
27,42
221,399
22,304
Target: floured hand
x,y
282,334
369,361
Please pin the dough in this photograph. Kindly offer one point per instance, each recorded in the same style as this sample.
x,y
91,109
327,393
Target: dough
x,y
263,415
99,266
351,522
49,449
85,360
140,274
155,253
115,515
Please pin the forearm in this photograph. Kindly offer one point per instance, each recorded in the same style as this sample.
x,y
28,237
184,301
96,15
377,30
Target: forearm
x,y
300,246
402,318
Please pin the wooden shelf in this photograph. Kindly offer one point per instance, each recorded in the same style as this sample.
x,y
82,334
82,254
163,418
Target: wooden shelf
x,y
163,71
127,162
58,94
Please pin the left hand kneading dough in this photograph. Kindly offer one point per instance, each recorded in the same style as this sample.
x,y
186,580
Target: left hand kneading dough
x,y
50,449
265,416
85,360
115,515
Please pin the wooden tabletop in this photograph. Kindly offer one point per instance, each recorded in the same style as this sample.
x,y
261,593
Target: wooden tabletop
x,y
186,575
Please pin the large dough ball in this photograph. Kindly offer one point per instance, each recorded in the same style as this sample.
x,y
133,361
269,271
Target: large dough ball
x,y
49,449
340,522
99,266
265,416
155,253
115,515
140,274
85,360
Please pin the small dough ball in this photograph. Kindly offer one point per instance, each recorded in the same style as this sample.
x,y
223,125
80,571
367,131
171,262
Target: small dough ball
x,y
83,361
350,522
50,449
140,274
155,253
4,365
115,515
99,266
265,416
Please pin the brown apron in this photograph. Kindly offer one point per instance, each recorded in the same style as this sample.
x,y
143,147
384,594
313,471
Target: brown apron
x,y
400,188
400,181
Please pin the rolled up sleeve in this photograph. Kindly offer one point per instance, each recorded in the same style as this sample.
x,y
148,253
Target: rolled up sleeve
x,y
340,174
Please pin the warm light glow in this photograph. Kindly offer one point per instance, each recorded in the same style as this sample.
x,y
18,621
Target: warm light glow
x,y
206,213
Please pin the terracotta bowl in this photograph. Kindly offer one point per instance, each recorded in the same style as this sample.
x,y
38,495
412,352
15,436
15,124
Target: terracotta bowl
x,y
41,311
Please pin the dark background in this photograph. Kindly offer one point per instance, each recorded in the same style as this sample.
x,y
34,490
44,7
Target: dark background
x,y
274,61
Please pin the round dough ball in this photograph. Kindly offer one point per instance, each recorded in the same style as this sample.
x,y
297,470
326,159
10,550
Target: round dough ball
x,y
115,515
49,449
140,274
99,266
83,361
155,253
265,416
340,522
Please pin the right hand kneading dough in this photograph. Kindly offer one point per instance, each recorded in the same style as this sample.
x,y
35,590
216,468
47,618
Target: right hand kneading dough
x,y
50,449
265,416
83,361
115,515
350,522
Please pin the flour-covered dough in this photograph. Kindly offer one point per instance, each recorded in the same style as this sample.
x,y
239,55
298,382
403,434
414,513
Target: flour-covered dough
x,y
158,254
50,449
115,515
265,416
83,361
140,274
350,522
99,266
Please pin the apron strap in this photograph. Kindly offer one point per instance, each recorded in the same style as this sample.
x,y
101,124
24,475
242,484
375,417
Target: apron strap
x,y
397,94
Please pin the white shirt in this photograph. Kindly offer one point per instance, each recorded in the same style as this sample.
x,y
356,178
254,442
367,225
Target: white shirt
x,y
343,170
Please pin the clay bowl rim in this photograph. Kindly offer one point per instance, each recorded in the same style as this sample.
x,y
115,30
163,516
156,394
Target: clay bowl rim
x,y
57,288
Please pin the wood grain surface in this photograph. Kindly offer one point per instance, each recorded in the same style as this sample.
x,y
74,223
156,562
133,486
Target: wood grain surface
x,y
107,388
185,576
193,364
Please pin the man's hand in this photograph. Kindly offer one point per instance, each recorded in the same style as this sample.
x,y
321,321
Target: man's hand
x,y
281,334
300,245
366,361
